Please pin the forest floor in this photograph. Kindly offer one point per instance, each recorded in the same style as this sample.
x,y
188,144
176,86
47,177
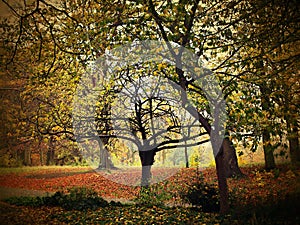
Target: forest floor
x,y
259,198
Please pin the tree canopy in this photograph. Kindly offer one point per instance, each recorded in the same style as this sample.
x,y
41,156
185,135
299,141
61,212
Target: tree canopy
x,y
250,46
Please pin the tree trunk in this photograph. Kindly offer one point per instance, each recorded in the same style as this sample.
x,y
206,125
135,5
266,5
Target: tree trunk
x,y
132,160
105,160
293,138
146,176
186,157
41,157
268,151
41,151
219,157
163,157
147,160
222,182
230,160
27,157
50,152
294,150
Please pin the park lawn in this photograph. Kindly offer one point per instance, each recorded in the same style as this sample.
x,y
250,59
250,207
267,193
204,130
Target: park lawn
x,y
260,198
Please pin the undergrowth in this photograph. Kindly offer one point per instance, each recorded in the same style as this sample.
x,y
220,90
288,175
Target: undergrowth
x,y
76,199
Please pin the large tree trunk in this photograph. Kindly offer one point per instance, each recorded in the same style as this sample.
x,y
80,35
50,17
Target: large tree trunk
x,y
50,152
268,149
220,160
294,146
105,160
26,156
146,176
230,160
222,182
293,139
147,160
218,152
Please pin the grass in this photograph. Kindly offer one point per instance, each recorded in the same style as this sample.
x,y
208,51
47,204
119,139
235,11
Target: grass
x,y
38,169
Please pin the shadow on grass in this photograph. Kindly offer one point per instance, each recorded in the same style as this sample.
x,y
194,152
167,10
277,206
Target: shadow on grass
x,y
282,211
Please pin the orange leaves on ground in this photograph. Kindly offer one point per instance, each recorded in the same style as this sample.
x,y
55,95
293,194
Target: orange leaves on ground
x,y
257,186
63,180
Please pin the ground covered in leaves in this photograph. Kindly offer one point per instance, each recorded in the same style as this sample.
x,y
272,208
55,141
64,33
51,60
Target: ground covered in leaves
x,y
258,198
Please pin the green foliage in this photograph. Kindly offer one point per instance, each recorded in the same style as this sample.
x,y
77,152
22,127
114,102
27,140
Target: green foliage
x,y
7,161
155,195
77,199
194,159
25,201
202,194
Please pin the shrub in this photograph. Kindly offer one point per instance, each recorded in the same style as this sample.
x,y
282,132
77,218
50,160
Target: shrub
x,y
25,201
76,199
201,194
82,198
153,195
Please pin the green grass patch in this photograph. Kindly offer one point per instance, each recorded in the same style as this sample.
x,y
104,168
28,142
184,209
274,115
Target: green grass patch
x,y
76,199
40,169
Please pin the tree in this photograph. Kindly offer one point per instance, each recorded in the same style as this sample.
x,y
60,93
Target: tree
x,y
229,35
269,63
144,111
41,21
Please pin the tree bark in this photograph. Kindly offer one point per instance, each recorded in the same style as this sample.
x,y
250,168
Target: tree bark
x,y
147,160
41,157
220,161
41,151
50,152
146,176
294,145
268,150
105,161
186,157
26,157
230,160
163,157
222,182
219,156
